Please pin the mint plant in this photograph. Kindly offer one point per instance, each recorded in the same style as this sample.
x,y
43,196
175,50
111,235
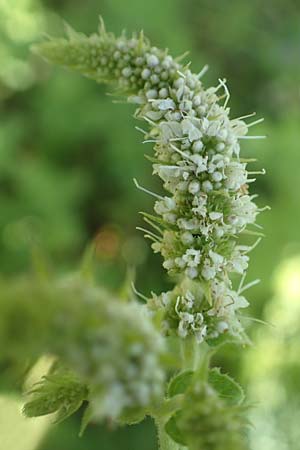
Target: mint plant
x,y
129,359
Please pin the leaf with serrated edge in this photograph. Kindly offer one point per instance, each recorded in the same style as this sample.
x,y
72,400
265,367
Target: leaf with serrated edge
x,y
227,388
173,431
180,383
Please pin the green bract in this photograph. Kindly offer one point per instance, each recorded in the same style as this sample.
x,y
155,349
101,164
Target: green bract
x,y
61,392
208,423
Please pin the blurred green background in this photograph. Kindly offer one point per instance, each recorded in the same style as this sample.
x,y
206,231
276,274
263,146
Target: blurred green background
x,y
68,156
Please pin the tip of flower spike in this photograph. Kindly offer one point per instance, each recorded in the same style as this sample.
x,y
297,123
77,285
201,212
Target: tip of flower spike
x,y
51,51
53,46
64,52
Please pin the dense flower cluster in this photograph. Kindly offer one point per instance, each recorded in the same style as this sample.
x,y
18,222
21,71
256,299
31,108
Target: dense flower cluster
x,y
114,347
187,311
111,346
197,155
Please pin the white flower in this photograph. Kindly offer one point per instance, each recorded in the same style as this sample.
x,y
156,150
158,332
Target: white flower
x,y
194,187
199,205
222,327
192,257
152,60
236,175
200,333
216,259
152,93
197,146
191,272
187,238
126,72
243,211
188,300
189,128
186,319
208,272
207,186
163,93
180,262
188,224
200,163
238,263
168,264
215,215
170,130
166,104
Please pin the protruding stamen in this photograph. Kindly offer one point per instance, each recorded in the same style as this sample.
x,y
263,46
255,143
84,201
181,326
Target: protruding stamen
x,y
141,188
251,137
136,292
223,83
244,117
141,130
156,227
152,141
256,122
181,57
258,172
253,246
157,238
265,208
181,152
203,71
149,121
181,74
248,286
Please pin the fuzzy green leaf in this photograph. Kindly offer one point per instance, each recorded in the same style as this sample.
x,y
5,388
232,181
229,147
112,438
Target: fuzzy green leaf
x,y
132,416
227,388
59,392
180,383
173,431
86,418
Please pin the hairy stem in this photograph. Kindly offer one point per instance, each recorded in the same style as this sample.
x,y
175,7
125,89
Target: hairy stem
x,y
189,353
164,441
204,354
195,356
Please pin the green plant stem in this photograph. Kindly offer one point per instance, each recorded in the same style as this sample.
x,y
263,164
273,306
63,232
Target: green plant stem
x,y
189,353
202,361
194,356
165,442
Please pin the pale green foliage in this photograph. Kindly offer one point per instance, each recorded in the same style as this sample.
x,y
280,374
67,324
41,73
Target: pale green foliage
x,y
211,415
110,345
227,388
60,392
20,24
206,422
